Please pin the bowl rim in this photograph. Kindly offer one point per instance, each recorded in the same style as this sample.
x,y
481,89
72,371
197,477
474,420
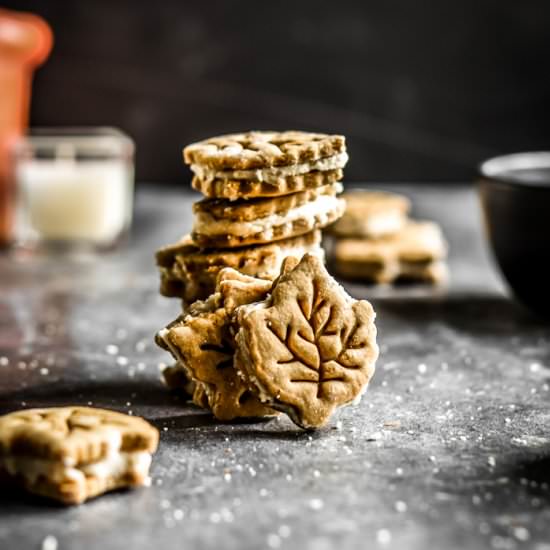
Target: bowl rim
x,y
492,168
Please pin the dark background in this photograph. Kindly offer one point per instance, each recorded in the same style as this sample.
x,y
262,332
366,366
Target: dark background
x,y
423,90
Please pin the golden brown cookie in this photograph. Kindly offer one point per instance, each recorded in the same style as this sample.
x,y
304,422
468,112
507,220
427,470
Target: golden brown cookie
x,y
72,454
269,183
309,348
190,273
261,149
202,343
222,224
415,253
372,214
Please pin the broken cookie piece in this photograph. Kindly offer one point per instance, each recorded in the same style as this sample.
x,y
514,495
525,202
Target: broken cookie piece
x,y
71,454
308,348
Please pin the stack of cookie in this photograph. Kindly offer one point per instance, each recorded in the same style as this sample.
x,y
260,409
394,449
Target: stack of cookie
x,y
375,241
267,195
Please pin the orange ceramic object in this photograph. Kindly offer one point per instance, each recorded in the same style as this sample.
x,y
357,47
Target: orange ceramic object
x,y
25,42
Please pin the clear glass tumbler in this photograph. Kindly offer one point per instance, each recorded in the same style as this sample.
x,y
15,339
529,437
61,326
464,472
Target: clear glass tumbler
x,y
74,187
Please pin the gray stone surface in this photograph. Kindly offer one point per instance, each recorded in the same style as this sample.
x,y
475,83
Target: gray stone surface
x,y
448,449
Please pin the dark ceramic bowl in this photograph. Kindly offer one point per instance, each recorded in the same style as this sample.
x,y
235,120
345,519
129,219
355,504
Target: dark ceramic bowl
x,y
515,196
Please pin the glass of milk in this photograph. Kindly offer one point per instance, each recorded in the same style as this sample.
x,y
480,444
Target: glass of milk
x,y
74,187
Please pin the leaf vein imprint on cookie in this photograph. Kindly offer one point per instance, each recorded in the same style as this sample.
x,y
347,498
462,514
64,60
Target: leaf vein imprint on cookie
x,y
318,314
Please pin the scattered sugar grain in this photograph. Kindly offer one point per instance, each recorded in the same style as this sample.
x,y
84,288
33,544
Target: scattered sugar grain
x,y
112,349
215,517
400,506
273,540
535,367
284,531
383,536
141,345
49,543
521,533
316,504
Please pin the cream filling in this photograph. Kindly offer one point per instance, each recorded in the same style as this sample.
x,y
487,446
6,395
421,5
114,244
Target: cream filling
x,y
114,466
298,252
163,335
206,224
375,225
273,173
249,375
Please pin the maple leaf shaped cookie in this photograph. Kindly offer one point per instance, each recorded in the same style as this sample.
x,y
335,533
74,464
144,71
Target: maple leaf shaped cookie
x,y
309,347
202,344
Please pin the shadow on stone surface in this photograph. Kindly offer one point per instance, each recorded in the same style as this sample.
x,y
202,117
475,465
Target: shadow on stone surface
x,y
15,500
534,474
109,394
239,428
